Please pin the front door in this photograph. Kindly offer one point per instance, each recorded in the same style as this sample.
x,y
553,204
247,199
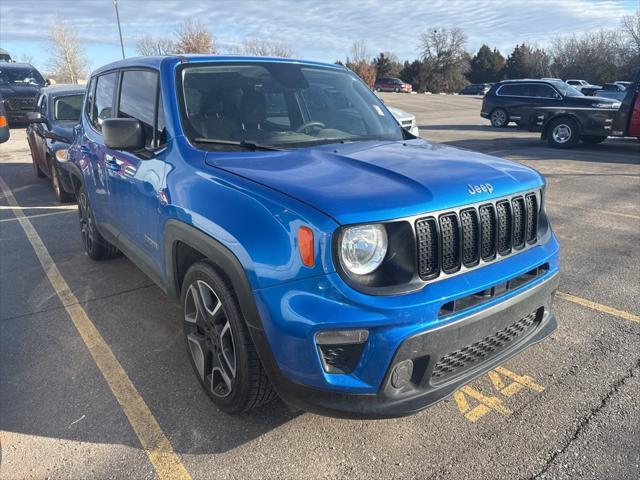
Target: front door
x,y
136,179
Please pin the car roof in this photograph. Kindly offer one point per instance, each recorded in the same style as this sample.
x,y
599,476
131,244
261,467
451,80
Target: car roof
x,y
157,62
16,65
63,88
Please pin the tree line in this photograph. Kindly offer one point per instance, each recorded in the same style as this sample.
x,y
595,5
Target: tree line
x,y
443,65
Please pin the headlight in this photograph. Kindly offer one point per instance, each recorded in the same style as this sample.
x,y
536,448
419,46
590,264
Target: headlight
x,y
363,248
606,105
61,155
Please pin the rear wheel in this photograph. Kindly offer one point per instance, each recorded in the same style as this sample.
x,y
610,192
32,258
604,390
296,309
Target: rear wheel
x,y
499,118
222,354
94,244
563,133
61,194
396,90
592,139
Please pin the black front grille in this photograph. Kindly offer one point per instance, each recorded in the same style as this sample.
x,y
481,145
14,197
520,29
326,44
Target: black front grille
x,y
519,222
455,363
474,234
428,263
21,103
504,227
470,237
450,242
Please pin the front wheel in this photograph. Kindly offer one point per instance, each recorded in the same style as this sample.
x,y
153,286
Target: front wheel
x,y
499,118
94,244
563,133
218,343
61,194
396,90
593,139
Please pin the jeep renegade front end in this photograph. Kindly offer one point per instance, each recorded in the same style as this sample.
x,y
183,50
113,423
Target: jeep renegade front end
x,y
317,249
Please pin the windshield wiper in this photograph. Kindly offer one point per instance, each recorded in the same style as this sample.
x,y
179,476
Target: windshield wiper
x,y
248,144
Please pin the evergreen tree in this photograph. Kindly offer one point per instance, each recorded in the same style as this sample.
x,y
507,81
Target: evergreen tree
x,y
486,66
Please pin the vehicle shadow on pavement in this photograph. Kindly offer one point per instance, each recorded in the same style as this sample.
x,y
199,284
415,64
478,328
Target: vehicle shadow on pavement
x,y
50,386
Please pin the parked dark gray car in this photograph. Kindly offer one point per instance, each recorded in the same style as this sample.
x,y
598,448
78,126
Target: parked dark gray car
x,y
50,132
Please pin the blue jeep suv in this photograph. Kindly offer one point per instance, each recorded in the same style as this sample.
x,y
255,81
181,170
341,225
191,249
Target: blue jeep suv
x,y
318,250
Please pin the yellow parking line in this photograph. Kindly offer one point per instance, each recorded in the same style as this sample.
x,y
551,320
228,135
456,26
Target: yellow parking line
x,y
165,461
597,210
599,307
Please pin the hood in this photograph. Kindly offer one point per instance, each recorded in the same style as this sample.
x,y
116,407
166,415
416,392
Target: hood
x,y
591,101
8,90
374,181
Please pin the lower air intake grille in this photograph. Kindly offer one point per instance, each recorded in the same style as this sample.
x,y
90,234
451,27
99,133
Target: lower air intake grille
x,y
455,363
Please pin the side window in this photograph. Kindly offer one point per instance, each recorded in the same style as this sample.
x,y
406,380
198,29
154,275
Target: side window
x,y
138,95
91,88
512,90
543,91
103,104
161,134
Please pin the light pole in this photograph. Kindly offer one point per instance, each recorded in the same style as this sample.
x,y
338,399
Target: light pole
x,y
115,4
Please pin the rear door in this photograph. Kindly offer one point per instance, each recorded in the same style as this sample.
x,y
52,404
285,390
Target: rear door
x,y
137,178
514,97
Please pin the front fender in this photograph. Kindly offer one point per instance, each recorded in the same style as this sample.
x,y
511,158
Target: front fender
x,y
255,223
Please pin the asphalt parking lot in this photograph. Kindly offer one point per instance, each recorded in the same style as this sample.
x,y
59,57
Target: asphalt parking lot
x,y
566,408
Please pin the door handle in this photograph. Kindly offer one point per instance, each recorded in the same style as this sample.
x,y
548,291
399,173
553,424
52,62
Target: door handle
x,y
111,162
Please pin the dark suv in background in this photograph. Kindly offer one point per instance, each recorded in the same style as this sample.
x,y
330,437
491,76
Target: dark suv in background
x,y
524,101
19,87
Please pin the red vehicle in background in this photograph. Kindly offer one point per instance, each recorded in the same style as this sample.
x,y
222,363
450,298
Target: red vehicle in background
x,y
626,122
392,85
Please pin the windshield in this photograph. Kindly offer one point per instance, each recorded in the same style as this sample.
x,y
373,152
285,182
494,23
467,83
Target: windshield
x,y
281,105
68,107
20,76
567,90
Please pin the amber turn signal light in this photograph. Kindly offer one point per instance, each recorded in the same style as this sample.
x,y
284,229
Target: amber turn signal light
x,y
305,244
3,121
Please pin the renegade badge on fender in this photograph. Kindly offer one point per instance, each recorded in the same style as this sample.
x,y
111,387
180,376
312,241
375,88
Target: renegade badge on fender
x,y
317,249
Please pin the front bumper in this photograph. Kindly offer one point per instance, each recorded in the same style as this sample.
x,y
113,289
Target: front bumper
x,y
402,327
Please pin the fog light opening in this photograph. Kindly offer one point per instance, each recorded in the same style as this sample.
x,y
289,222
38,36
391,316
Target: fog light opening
x,y
340,350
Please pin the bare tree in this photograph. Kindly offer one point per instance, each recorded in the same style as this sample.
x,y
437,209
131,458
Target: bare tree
x,y
151,46
26,58
194,37
359,52
445,58
67,63
361,64
264,48
631,29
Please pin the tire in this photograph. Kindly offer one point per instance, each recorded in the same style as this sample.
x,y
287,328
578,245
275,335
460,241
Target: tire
x,y
378,89
36,168
499,118
220,349
94,244
61,194
396,90
563,133
592,139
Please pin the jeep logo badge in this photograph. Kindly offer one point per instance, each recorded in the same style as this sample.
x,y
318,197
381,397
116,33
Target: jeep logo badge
x,y
483,187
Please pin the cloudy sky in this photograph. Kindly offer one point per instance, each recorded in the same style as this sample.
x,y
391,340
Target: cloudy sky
x,y
314,29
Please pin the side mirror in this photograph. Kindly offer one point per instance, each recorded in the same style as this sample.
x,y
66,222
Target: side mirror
x,y
36,117
123,134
